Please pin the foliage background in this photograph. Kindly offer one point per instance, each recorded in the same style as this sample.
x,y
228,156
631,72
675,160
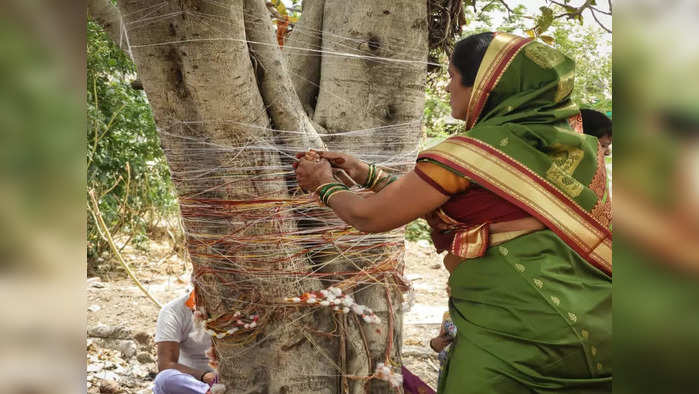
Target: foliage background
x,y
125,164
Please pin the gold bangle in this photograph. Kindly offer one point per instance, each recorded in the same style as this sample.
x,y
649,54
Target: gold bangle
x,y
381,183
376,180
334,194
370,176
326,193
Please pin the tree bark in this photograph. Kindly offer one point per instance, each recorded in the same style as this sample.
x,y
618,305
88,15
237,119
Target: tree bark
x,y
275,83
204,94
358,93
210,104
104,13
304,66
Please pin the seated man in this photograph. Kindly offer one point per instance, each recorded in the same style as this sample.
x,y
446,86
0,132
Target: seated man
x,y
183,366
599,125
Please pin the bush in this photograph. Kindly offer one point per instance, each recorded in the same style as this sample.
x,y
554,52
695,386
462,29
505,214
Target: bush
x,y
417,229
125,164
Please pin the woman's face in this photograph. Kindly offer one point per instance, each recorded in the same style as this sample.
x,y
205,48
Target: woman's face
x,y
606,142
459,95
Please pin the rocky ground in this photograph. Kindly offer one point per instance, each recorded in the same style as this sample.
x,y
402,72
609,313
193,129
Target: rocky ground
x,y
121,320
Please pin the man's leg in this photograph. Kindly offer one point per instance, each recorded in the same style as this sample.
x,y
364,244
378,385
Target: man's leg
x,y
172,381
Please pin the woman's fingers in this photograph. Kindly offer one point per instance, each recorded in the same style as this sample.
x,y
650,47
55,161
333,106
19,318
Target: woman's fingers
x,y
333,157
311,173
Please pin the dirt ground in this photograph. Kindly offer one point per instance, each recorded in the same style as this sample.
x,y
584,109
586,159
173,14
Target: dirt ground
x,y
121,320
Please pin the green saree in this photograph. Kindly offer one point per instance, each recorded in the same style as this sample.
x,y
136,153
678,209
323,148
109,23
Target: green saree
x,y
534,313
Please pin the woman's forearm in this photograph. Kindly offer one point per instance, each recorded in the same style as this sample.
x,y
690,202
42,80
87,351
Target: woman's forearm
x,y
396,205
372,177
356,211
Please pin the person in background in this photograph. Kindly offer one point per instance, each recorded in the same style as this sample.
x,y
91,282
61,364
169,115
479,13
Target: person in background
x,y
183,366
442,342
599,125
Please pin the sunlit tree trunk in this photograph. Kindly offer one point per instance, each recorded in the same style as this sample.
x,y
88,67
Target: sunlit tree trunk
x,y
191,81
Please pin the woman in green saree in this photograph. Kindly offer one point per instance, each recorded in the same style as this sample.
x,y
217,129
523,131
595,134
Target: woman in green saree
x,y
519,201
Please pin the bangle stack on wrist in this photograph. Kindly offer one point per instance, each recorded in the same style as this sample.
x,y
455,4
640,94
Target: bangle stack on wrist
x,y
327,190
372,176
377,179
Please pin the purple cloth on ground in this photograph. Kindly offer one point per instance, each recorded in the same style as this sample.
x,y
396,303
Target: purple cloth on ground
x,y
413,385
172,381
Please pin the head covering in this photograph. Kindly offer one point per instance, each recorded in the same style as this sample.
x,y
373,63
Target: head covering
x,y
524,142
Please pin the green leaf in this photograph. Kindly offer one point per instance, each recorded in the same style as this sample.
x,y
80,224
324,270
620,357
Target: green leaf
x,y
545,19
547,39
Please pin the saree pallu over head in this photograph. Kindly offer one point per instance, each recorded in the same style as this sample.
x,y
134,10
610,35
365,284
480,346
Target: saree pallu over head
x,y
523,141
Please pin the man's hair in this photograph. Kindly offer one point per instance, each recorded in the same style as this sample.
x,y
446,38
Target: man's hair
x,y
468,55
596,123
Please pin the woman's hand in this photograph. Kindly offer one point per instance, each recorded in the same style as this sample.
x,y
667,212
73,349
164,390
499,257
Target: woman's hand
x,y
355,168
312,173
439,343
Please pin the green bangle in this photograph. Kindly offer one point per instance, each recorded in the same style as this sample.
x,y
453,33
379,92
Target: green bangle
x,y
325,196
326,199
319,188
326,190
378,176
371,176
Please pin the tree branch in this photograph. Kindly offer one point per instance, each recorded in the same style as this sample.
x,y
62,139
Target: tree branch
x,y
105,14
304,69
273,10
600,11
583,7
592,10
485,6
507,7
108,16
283,105
107,236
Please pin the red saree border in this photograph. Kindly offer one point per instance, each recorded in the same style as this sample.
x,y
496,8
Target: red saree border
x,y
597,253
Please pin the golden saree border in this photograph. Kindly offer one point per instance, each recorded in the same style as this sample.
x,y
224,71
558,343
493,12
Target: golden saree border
x,y
500,53
518,184
471,242
576,123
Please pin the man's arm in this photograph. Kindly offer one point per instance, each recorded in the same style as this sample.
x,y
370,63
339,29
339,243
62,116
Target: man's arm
x,y
169,353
